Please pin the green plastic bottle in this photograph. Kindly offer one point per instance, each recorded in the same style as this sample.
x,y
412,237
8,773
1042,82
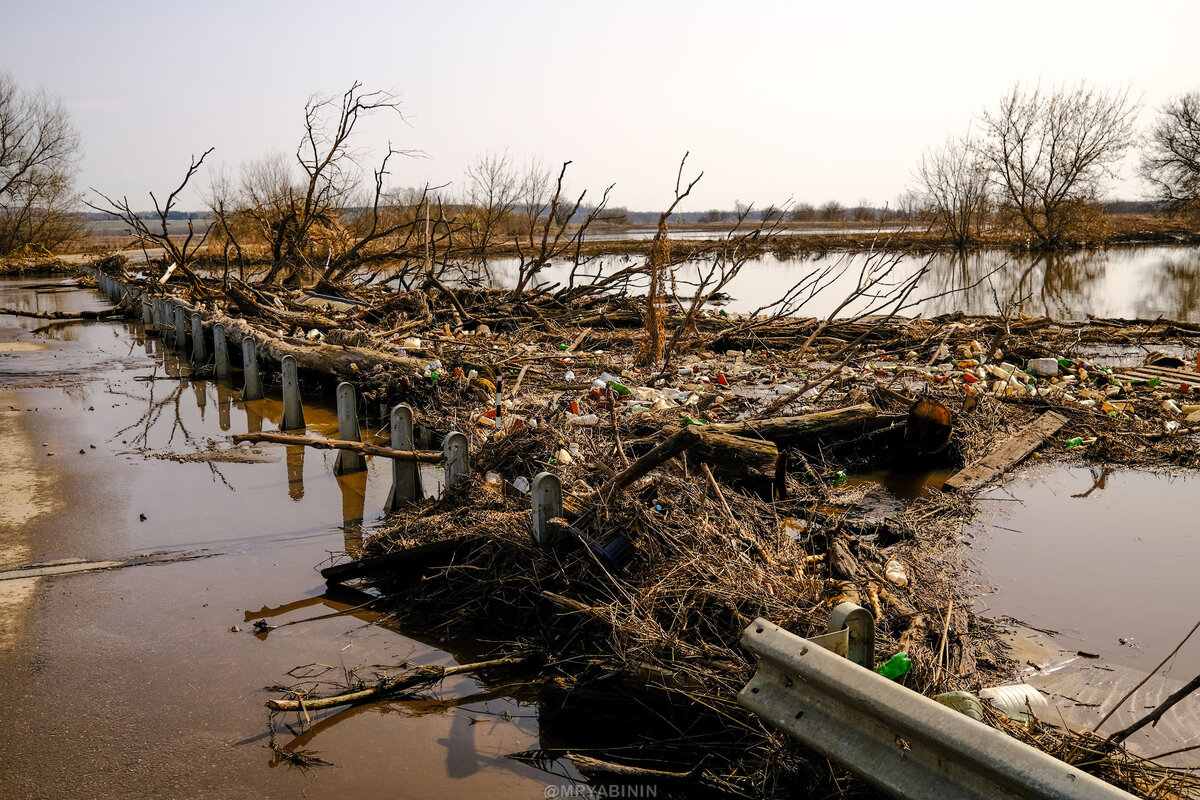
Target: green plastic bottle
x,y
895,666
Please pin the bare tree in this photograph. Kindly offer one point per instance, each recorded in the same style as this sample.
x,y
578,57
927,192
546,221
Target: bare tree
x,y
1051,152
330,174
155,232
803,212
1171,162
38,149
229,226
493,190
548,217
833,211
954,183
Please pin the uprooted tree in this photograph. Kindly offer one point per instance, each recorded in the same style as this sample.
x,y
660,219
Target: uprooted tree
x,y
39,146
155,232
295,216
1050,153
329,217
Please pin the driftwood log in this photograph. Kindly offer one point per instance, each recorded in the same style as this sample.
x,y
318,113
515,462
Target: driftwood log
x,y
348,363
672,446
420,456
805,428
106,313
418,677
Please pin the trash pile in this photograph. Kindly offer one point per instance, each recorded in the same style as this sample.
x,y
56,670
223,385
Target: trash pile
x,y
658,563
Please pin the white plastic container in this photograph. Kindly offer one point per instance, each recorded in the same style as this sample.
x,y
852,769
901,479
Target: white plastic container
x,y
1016,701
895,573
1045,367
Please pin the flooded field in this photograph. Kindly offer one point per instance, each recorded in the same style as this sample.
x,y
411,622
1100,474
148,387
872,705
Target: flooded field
x,y
132,682
1127,282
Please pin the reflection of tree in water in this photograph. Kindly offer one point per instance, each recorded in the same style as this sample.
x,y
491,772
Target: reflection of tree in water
x,y
1174,292
1059,285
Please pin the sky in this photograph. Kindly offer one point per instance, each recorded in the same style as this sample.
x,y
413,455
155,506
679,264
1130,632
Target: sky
x,y
774,101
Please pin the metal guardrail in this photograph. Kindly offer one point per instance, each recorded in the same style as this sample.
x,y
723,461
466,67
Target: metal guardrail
x,y
902,742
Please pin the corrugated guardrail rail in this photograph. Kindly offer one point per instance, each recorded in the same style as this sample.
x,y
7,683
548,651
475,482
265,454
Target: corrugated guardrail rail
x,y
901,741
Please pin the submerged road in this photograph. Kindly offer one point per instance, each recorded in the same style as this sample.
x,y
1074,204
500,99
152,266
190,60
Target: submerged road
x,y
130,681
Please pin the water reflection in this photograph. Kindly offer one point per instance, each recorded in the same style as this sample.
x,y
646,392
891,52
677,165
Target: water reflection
x,y
224,401
354,498
1176,288
295,471
1056,285
1152,281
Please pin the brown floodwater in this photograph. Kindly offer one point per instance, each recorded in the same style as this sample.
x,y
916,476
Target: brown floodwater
x,y
1107,558
130,682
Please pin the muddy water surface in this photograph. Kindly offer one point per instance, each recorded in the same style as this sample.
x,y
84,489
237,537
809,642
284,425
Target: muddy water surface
x,y
1108,558
130,682
1151,281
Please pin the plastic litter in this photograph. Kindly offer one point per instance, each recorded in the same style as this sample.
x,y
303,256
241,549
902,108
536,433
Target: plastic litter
x,y
1016,701
895,573
1043,367
895,667
963,703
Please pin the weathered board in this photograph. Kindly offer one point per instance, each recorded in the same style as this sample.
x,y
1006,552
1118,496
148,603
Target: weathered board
x,y
1169,376
1013,450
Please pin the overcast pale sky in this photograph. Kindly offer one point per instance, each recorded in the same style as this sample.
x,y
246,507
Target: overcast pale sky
x,y
775,100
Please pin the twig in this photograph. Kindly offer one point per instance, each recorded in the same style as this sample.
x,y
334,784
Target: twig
x,y
421,675
717,490
1153,717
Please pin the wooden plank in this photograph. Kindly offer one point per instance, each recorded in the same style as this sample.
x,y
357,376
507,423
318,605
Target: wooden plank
x,y
1169,376
1008,454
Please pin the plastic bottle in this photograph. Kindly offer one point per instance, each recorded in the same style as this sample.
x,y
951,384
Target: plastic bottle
x,y
895,666
1076,442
